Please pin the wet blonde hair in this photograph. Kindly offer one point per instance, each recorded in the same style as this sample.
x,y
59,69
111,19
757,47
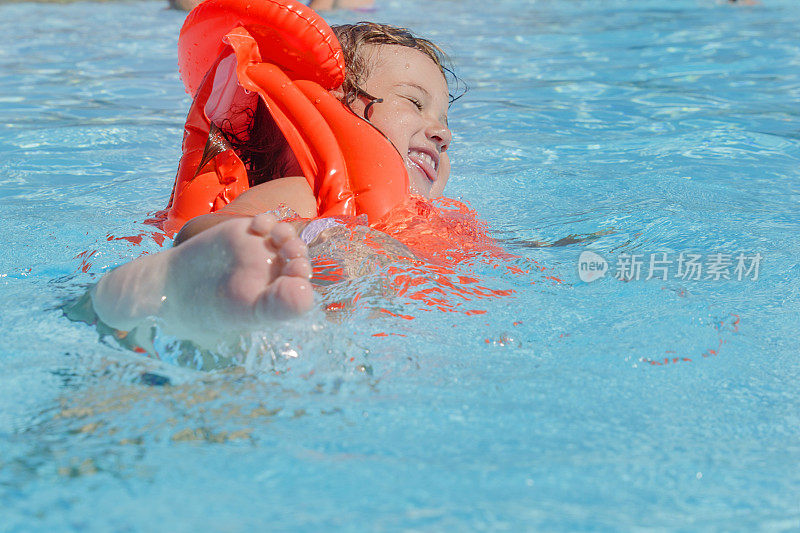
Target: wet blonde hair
x,y
354,37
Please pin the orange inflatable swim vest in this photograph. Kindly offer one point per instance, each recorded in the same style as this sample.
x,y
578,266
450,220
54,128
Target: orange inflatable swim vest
x,y
232,52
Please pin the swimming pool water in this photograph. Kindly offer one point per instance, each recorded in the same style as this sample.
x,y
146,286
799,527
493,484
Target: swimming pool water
x,y
636,127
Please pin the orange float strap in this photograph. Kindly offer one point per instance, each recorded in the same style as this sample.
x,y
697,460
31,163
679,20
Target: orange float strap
x,y
234,51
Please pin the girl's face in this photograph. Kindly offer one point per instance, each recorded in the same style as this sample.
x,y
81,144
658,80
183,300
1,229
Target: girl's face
x,y
413,114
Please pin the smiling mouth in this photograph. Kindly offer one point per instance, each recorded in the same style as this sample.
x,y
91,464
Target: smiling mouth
x,y
425,162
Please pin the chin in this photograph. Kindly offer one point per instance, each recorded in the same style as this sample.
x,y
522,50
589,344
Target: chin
x,y
419,187
425,192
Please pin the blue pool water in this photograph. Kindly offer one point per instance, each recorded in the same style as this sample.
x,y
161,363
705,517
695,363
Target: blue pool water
x,y
653,127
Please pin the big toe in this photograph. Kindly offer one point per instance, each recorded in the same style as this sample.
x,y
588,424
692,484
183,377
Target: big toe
x,y
287,297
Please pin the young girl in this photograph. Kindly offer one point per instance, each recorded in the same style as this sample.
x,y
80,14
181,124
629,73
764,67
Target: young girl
x,y
238,268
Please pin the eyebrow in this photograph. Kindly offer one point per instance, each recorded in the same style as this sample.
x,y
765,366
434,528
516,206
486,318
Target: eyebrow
x,y
416,86
425,92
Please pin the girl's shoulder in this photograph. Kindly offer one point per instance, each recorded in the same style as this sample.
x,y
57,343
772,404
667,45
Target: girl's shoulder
x,y
293,192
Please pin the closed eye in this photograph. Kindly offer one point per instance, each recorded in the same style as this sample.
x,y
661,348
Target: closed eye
x,y
414,101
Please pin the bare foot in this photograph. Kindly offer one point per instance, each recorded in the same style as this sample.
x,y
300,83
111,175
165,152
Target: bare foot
x,y
238,275
231,278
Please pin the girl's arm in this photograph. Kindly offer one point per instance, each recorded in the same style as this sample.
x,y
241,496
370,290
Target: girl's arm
x,y
292,192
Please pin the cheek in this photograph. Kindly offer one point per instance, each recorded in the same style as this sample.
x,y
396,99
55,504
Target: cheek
x,y
444,167
395,135
392,123
442,175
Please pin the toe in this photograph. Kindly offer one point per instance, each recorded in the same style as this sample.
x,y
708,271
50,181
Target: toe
x,y
262,224
292,249
287,297
299,267
281,233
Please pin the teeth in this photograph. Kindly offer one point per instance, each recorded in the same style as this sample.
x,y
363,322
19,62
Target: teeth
x,y
424,158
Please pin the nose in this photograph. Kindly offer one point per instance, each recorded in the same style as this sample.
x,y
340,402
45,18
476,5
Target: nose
x,y
439,133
